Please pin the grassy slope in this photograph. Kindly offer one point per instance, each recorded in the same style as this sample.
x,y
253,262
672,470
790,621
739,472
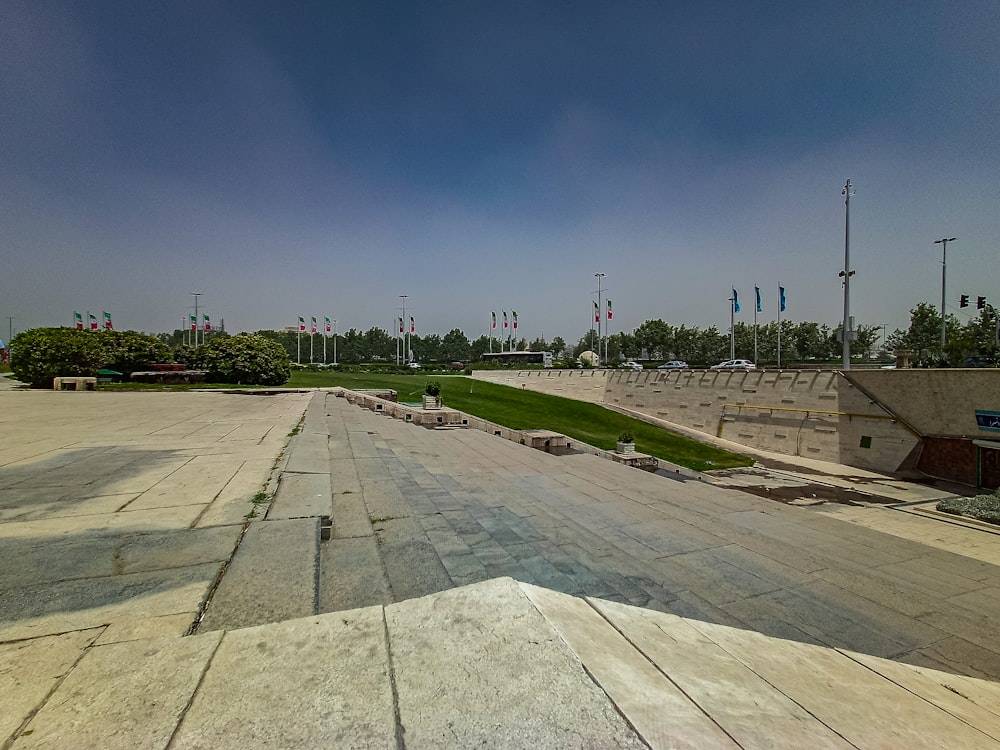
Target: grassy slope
x,y
520,410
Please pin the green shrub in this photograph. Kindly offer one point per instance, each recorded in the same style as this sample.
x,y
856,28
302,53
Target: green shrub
x,y
246,359
40,354
433,388
128,351
983,507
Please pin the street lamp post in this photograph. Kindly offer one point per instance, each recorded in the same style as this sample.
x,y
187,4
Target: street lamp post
x,y
847,273
943,242
402,324
600,278
196,295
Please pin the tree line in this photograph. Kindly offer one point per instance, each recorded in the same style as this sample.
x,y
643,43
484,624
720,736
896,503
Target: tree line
x,y
657,340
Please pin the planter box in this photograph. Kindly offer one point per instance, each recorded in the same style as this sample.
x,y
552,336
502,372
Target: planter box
x,y
625,447
432,402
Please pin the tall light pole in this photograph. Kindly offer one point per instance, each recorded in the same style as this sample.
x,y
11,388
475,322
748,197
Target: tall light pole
x,y
847,273
943,242
402,321
600,278
196,295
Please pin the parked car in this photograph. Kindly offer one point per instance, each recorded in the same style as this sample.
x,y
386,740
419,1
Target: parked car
x,y
735,364
631,365
414,365
674,364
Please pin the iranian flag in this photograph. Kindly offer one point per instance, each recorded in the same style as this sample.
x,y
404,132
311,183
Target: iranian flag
x,y
78,320
313,330
505,320
302,324
107,322
93,321
513,314
400,324
328,327
194,323
208,324
494,317
413,328
610,314
597,312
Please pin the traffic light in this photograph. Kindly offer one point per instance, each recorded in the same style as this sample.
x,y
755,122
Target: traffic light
x,y
963,301
980,303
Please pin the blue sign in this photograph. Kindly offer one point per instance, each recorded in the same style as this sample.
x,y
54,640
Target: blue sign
x,y
988,420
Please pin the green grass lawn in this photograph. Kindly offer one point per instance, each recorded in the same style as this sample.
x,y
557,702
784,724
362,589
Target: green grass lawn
x,y
521,410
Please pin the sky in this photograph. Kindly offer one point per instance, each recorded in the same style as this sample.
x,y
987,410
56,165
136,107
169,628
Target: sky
x,y
289,159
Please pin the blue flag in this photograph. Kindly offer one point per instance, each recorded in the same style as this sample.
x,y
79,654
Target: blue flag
x,y
781,297
736,302
757,290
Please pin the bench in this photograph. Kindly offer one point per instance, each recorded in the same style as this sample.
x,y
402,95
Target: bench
x,y
74,384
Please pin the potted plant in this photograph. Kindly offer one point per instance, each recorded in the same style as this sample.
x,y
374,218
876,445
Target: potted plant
x,y
626,443
432,395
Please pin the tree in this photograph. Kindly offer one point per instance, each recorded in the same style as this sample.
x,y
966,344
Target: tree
x,y
455,346
427,348
246,359
656,337
558,347
40,354
128,351
479,347
923,337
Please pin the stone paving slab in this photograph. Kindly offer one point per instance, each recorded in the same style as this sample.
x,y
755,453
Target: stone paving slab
x,y
301,496
125,695
306,683
30,670
63,606
272,576
860,705
480,666
660,711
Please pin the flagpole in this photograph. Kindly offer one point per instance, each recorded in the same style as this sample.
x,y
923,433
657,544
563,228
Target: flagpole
x,y
324,341
779,325
755,307
732,325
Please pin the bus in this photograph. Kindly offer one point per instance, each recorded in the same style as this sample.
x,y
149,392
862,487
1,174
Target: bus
x,y
519,358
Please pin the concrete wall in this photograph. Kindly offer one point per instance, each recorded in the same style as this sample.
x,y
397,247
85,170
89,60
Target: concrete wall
x,y
881,420
935,402
581,385
806,413
814,413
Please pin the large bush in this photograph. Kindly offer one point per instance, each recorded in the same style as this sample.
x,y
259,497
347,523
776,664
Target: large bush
x,y
40,354
245,359
128,351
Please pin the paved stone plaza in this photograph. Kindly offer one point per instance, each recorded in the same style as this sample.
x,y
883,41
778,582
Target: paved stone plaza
x,y
471,591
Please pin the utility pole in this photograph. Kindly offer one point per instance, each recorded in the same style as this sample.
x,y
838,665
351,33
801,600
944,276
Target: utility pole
x,y
847,273
10,329
943,242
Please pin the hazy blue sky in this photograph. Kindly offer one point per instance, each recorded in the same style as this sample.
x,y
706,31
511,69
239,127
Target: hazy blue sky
x,y
322,158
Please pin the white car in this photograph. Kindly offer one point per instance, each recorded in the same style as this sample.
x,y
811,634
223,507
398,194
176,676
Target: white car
x,y
674,364
735,364
414,365
630,365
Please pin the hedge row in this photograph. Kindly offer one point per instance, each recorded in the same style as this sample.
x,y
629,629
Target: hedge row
x,y
40,354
